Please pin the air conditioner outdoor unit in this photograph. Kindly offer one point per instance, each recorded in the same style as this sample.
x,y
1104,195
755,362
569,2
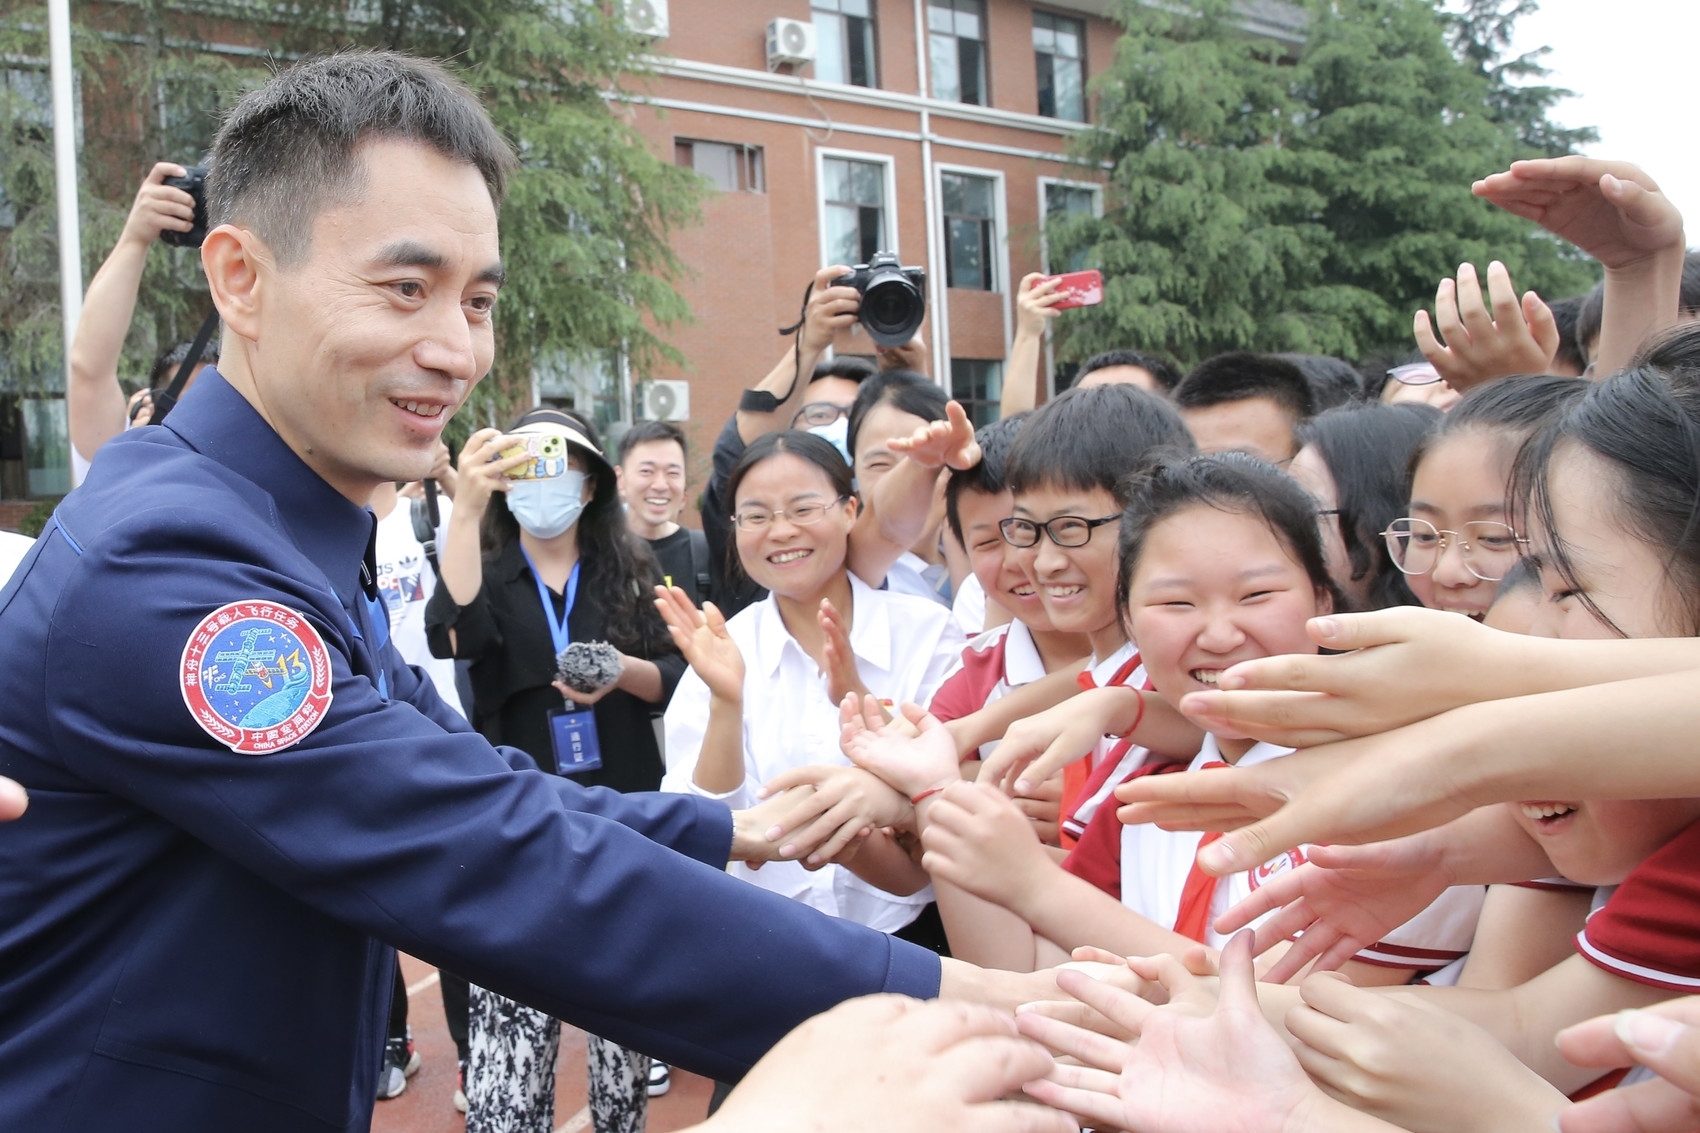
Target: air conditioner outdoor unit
x,y
665,401
790,42
647,17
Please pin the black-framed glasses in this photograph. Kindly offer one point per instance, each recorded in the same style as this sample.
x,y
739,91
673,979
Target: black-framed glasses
x,y
1064,530
818,413
803,515
1490,549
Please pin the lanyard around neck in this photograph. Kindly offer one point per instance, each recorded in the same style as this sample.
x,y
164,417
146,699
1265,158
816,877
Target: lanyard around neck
x,y
558,632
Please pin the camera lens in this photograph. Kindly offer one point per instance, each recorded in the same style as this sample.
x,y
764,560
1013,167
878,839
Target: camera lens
x,y
892,309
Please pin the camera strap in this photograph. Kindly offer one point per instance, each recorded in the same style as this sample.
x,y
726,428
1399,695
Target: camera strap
x,y
760,401
166,398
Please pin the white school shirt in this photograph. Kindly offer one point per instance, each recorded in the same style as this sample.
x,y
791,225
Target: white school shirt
x,y
969,605
911,574
1155,865
903,644
406,580
1125,663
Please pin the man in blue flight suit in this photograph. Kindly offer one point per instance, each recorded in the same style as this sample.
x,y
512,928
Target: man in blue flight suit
x,y
241,800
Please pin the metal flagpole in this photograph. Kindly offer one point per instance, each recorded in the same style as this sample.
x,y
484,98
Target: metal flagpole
x,y
65,171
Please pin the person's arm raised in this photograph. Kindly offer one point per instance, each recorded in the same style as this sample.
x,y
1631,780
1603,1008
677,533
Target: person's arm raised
x,y
895,512
1617,214
828,310
1035,298
94,401
1428,773
1406,664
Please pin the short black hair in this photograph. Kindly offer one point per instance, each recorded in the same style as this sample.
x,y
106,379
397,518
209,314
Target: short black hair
x,y
1569,353
909,391
1241,376
645,431
988,476
289,149
850,367
1166,373
1093,438
1333,381
165,367
1235,482
1367,449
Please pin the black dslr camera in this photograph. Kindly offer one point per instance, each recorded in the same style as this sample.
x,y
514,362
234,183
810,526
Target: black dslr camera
x,y
194,182
894,298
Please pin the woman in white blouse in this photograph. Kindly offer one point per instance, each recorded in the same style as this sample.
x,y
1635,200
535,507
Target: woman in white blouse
x,y
763,692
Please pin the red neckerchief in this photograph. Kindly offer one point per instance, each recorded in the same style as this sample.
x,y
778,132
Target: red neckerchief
x,y
1193,918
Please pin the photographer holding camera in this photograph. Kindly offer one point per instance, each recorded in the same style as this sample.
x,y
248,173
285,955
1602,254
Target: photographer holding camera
x,y
837,298
95,404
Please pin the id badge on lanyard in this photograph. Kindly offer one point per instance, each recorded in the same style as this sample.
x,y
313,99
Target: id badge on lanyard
x,y
572,730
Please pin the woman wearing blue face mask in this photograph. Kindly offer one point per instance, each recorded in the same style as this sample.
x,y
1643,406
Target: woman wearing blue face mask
x,y
527,567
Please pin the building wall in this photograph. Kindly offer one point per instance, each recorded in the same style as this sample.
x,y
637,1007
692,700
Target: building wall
x,y
756,251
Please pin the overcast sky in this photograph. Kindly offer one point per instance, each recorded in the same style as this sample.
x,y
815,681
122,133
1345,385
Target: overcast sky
x,y
1633,66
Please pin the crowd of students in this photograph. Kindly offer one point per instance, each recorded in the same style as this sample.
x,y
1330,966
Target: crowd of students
x,y
1038,692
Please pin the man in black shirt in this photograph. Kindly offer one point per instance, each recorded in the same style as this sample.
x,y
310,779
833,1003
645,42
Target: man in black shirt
x,y
651,476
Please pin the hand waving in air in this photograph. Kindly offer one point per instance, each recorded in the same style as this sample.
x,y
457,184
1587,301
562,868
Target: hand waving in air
x,y
701,636
1486,342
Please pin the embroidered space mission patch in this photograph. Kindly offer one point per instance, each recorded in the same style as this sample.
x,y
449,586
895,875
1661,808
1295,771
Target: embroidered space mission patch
x,y
256,677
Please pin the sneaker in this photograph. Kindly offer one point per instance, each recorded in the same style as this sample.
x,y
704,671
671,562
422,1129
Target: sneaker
x,y
660,1079
460,1088
401,1062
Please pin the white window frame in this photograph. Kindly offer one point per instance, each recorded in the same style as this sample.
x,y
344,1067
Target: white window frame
x,y
822,153
1045,184
1000,261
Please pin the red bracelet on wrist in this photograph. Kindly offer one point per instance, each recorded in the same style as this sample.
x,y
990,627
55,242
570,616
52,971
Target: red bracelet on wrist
x,y
931,791
1134,727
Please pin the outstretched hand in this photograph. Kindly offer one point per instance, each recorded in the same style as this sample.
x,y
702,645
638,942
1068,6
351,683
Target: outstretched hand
x,y
844,805
1485,343
13,800
702,638
910,764
838,658
1224,1069
1610,209
940,444
1665,1038
978,840
897,1065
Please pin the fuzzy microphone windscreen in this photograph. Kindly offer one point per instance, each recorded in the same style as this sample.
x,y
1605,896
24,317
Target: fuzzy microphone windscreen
x,y
586,666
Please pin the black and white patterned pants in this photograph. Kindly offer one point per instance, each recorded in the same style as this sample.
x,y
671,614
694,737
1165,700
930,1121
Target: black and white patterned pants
x,y
510,1072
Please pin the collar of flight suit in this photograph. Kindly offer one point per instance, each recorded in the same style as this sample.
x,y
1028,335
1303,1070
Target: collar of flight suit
x,y
219,423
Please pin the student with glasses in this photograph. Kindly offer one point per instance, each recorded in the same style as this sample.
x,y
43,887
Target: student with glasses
x,y
1455,541
763,692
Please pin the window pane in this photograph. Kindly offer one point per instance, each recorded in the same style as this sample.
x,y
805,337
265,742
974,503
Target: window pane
x,y
837,187
856,8
843,235
45,439
718,162
824,5
1044,39
938,16
978,385
1047,84
968,24
1068,40
947,85
966,253
859,41
872,223
867,183
950,192
1063,201
1070,97
972,62
829,48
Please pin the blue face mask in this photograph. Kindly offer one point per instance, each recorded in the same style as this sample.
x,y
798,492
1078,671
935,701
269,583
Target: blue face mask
x,y
547,508
838,433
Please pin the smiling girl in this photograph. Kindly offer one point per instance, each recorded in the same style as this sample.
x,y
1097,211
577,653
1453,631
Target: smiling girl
x,y
762,693
1455,542
1219,563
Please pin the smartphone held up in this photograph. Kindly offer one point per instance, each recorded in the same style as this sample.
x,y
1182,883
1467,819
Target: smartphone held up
x,y
1078,289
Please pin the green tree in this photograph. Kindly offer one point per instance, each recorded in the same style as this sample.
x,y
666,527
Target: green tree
x,y
1306,201
585,230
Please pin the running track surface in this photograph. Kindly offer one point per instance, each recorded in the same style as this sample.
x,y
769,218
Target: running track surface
x,y
427,1106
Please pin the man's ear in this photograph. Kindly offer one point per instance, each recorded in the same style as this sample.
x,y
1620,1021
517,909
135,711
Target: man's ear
x,y
237,263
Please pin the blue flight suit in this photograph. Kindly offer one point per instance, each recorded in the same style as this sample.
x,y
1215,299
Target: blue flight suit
x,y
193,938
